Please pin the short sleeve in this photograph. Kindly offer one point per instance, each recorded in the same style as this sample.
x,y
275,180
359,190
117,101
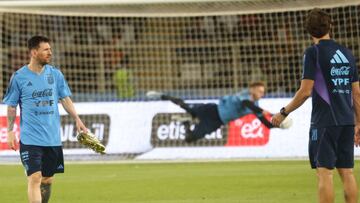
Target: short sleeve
x,y
355,73
62,86
12,96
309,64
355,77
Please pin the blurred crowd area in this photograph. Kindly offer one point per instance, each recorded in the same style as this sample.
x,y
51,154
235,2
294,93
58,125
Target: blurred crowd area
x,y
120,58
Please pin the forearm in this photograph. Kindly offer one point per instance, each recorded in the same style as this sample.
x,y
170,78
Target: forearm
x,y
11,116
357,114
299,98
69,107
249,104
356,104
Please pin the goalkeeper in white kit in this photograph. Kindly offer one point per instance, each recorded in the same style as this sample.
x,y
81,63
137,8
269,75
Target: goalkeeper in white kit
x,y
212,116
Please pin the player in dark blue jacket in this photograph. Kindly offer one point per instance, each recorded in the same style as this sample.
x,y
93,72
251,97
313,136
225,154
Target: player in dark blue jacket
x,y
330,76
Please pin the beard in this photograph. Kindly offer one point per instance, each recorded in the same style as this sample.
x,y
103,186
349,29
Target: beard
x,y
43,62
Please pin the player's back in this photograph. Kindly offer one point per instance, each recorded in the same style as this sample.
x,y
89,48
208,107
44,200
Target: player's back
x,y
333,69
230,106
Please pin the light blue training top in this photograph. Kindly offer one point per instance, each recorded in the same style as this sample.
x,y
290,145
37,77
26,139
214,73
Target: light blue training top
x,y
230,106
38,96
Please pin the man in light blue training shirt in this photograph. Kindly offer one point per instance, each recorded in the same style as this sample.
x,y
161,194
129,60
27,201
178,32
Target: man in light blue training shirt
x,y
37,88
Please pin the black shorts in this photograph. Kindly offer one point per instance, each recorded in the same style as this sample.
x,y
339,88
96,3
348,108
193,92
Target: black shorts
x,y
208,115
331,147
48,160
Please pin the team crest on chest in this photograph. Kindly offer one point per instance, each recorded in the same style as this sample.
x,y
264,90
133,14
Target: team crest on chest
x,y
50,79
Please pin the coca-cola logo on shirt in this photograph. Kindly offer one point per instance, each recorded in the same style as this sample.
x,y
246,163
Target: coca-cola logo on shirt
x,y
42,93
344,70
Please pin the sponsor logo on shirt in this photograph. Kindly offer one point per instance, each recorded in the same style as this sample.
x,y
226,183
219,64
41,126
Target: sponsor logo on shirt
x,y
42,93
339,57
39,113
344,70
44,103
340,73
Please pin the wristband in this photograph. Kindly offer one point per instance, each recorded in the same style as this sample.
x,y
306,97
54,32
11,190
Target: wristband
x,y
282,112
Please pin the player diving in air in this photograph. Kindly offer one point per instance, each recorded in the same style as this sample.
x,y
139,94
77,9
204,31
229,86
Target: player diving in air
x,y
212,116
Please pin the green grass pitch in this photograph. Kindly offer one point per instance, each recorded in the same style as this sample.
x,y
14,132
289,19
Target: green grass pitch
x,y
202,182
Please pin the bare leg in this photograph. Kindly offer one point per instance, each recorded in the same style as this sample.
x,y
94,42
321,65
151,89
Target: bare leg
x,y
46,189
34,181
325,185
349,184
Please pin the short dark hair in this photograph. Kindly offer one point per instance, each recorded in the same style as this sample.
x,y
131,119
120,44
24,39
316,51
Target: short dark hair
x,y
34,42
318,23
257,84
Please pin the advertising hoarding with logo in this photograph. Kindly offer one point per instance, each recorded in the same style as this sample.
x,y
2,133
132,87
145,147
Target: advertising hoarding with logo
x,y
99,124
245,131
148,129
248,131
169,132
